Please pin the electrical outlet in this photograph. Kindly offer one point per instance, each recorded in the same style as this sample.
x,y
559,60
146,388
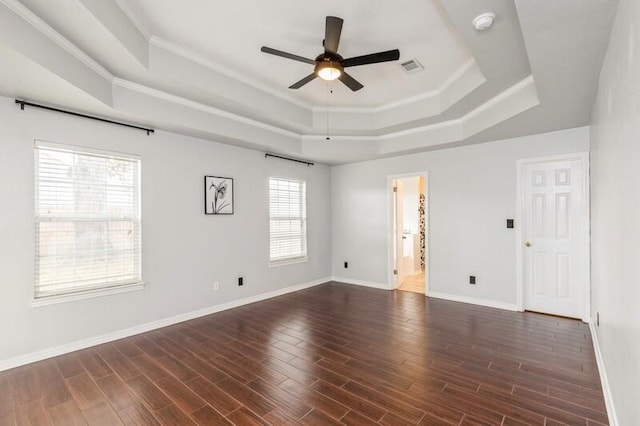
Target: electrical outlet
x,y
346,265
472,279
240,281
216,286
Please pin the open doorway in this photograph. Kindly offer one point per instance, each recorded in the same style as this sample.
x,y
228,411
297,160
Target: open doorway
x,y
408,232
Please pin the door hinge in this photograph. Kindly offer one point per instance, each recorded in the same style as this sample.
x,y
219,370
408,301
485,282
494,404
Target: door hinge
x,y
395,272
395,189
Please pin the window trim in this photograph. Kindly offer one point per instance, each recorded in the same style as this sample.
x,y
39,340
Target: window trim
x,y
289,260
87,294
126,287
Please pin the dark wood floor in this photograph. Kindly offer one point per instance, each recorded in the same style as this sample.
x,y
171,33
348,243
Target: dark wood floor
x,y
332,354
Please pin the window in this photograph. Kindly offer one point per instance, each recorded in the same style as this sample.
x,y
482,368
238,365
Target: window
x,y
287,220
87,221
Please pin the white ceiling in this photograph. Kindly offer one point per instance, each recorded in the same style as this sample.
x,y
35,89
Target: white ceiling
x,y
231,34
195,67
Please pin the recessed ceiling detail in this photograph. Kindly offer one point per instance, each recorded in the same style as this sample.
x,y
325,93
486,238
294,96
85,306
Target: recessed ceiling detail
x,y
199,70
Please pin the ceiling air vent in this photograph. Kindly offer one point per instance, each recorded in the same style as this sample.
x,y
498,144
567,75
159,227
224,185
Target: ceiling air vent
x,y
412,66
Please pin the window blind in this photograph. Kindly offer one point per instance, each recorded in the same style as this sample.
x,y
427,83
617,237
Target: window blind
x,y
87,221
288,220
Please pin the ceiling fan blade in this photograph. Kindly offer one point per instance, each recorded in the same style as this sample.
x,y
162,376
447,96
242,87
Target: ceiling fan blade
x,y
350,82
277,52
332,31
304,81
373,58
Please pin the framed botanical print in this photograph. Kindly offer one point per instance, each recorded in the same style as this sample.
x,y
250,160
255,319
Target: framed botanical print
x,y
218,195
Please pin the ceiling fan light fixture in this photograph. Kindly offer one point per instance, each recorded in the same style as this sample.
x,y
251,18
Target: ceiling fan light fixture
x,y
329,65
329,70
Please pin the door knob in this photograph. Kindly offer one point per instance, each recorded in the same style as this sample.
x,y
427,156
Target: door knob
x,y
527,244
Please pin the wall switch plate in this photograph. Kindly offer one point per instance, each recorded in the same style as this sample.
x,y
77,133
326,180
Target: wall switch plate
x,y
472,279
216,286
346,265
240,281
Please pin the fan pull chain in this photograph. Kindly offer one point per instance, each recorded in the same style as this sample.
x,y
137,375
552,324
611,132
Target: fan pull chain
x,y
329,91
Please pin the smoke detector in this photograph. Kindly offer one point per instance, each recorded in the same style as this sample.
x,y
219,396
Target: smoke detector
x,y
484,21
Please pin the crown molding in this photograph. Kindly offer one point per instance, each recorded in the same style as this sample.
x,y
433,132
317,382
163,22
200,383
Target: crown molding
x,y
207,63
388,136
524,88
178,100
31,18
459,85
431,94
431,127
501,97
457,75
522,94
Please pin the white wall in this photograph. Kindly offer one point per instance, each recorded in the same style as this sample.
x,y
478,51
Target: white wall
x,y
471,192
184,251
615,212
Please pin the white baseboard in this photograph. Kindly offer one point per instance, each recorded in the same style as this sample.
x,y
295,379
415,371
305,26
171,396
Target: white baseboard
x,y
473,301
142,328
435,294
606,390
361,283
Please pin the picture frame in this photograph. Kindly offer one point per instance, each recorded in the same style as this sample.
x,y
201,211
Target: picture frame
x,y
218,195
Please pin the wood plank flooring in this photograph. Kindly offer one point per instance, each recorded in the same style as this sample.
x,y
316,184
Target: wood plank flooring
x,y
329,355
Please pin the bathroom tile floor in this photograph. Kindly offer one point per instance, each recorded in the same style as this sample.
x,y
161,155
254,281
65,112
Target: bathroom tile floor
x,y
414,283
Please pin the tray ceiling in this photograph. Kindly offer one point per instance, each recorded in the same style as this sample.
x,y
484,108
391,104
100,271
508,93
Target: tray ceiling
x,y
195,67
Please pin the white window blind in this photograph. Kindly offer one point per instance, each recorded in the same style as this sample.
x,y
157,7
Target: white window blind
x,y
288,220
87,221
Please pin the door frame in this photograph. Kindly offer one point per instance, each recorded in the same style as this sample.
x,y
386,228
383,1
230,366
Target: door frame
x,y
390,226
583,157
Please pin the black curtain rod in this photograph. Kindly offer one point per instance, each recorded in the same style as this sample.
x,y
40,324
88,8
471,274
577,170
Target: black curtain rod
x,y
77,114
308,163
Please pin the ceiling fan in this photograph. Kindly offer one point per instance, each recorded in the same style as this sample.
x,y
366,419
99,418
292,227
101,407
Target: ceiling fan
x,y
330,65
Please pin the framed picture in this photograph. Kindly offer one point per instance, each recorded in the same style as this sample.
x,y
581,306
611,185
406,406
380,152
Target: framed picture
x,y
218,195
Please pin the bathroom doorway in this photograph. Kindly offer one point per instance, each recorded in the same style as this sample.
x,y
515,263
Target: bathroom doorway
x,y
409,232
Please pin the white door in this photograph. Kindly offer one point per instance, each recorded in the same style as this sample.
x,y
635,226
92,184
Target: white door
x,y
555,256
